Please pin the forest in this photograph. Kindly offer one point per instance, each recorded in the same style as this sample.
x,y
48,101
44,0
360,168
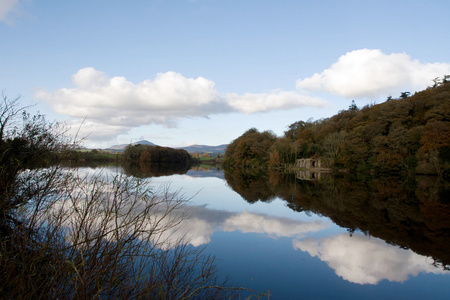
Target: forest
x,y
406,135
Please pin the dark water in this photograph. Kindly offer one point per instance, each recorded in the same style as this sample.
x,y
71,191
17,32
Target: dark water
x,y
334,237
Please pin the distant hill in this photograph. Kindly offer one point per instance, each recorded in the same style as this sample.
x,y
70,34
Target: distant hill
x,y
205,149
190,149
122,147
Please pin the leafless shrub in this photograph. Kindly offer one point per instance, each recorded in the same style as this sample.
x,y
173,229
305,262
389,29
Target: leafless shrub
x,y
106,239
69,236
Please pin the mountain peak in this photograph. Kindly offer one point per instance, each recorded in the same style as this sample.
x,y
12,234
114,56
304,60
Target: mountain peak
x,y
123,146
143,142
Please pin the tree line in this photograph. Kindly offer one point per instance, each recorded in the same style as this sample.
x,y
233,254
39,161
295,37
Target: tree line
x,y
91,156
407,135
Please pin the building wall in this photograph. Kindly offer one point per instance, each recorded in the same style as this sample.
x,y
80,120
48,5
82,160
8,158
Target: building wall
x,y
308,163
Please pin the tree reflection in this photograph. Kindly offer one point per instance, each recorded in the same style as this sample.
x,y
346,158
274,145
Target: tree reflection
x,y
410,214
149,169
252,185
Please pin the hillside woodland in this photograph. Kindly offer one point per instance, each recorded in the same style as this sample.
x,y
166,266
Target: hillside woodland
x,y
407,135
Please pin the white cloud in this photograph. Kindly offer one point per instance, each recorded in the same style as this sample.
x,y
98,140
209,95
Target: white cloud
x,y
367,260
370,72
6,7
121,102
277,100
113,106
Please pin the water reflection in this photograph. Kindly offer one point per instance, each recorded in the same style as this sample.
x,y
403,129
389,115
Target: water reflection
x,y
203,222
397,229
412,214
247,222
208,171
356,258
154,170
252,186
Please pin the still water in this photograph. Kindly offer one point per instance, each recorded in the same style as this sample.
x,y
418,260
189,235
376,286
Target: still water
x,y
330,238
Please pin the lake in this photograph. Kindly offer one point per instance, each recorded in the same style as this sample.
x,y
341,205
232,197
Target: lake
x,y
331,237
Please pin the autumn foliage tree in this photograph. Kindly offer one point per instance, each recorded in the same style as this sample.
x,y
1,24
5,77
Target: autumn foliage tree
x,y
250,150
164,155
405,135
146,155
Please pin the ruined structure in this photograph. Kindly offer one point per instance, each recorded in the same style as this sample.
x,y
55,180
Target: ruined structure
x,y
308,168
308,163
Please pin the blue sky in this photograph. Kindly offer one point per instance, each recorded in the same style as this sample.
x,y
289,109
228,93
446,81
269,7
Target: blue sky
x,y
181,72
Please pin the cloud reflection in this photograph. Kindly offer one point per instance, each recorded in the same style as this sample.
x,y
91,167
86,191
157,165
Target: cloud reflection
x,y
203,222
187,224
275,227
199,227
366,260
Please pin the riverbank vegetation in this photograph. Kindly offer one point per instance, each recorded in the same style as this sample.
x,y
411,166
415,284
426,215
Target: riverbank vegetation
x,y
209,160
88,156
84,236
407,135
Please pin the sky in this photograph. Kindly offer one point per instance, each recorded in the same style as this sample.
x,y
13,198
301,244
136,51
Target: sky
x,y
183,72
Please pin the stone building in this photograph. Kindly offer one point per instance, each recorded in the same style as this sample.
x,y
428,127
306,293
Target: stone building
x,y
308,163
309,169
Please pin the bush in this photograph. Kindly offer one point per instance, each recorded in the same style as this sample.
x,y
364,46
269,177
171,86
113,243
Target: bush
x,y
65,235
